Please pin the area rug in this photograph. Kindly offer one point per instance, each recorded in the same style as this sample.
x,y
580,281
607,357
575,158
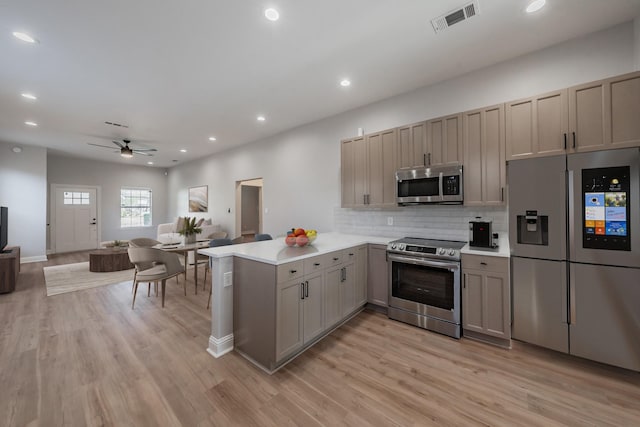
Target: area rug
x,y
76,277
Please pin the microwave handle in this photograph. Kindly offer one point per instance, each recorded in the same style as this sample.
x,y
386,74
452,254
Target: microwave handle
x,y
441,186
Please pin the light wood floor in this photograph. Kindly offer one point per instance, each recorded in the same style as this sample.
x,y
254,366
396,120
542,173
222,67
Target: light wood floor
x,y
86,358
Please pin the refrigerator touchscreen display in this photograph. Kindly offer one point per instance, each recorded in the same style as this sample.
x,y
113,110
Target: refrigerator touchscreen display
x,y
605,222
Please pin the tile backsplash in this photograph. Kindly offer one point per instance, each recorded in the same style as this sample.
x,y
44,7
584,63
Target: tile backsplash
x,y
428,221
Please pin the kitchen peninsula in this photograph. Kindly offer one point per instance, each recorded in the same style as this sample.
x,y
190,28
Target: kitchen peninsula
x,y
271,301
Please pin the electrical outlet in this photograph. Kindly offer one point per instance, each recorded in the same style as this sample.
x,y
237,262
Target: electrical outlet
x,y
389,220
228,278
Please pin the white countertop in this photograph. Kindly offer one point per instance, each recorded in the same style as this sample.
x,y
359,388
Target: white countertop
x,y
501,251
277,252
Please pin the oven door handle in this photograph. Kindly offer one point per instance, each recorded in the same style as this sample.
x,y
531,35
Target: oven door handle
x,y
429,263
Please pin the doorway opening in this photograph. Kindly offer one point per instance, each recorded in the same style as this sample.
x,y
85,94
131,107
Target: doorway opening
x,y
248,208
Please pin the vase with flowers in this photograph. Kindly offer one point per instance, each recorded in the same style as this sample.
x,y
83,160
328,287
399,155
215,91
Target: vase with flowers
x,y
189,230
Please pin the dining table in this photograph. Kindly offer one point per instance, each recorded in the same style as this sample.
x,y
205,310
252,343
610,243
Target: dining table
x,y
185,249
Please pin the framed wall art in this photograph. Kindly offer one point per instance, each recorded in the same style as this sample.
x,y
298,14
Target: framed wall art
x,y
199,198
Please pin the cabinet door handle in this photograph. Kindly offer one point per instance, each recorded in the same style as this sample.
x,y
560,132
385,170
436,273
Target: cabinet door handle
x,y
565,140
364,199
502,194
335,259
574,139
483,263
302,290
306,289
317,264
424,159
350,254
429,159
464,282
293,271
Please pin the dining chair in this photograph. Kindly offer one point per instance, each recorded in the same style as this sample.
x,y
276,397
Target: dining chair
x,y
164,266
214,243
143,242
261,237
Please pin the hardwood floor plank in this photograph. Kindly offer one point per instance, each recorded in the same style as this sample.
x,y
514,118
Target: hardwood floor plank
x,y
86,359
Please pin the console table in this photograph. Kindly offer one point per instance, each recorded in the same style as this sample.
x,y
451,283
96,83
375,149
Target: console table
x,y
9,269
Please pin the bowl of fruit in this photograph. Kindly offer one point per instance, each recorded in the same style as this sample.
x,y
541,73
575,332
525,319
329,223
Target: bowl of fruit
x,y
300,237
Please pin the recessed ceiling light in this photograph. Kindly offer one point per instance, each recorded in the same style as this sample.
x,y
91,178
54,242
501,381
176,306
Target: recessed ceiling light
x,y
212,138
183,151
29,96
30,123
345,83
535,5
149,163
272,14
16,150
24,37
261,118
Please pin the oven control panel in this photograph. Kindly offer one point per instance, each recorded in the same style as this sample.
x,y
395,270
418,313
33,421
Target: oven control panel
x,y
430,251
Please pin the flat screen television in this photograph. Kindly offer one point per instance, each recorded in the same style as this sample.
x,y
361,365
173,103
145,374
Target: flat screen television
x,y
4,226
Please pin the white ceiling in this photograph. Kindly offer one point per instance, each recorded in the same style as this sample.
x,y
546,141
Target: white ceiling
x,y
177,72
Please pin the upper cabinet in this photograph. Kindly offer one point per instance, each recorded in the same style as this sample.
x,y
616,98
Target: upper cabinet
x,y
368,170
412,150
444,141
484,156
431,143
537,126
604,114
589,117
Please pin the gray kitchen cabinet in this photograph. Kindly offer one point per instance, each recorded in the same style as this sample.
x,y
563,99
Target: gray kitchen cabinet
x,y
361,275
444,141
484,156
592,116
368,168
354,172
382,165
486,298
289,318
604,114
412,150
333,296
300,313
537,126
378,276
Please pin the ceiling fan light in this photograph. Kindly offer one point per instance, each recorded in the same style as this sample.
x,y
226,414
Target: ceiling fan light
x,y
126,153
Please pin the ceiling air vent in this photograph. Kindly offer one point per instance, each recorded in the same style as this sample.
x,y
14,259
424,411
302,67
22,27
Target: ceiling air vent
x,y
457,15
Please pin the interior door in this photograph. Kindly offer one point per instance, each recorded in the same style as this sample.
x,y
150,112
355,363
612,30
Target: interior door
x,y
76,219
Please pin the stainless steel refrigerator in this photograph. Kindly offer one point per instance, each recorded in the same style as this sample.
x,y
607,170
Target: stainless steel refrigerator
x,y
574,233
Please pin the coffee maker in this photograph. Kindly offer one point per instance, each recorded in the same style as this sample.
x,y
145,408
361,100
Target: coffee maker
x,y
481,233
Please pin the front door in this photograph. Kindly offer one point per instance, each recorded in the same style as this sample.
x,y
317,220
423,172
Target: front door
x,y
76,220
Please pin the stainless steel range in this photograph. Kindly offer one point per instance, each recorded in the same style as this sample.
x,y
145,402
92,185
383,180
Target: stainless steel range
x,y
424,283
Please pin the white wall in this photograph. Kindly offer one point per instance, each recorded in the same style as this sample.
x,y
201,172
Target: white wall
x,y
301,167
111,177
23,189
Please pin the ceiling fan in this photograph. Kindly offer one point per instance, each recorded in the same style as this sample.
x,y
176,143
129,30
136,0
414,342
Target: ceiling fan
x,y
126,151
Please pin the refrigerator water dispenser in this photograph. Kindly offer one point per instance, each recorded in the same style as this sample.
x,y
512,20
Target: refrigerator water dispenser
x,y
533,229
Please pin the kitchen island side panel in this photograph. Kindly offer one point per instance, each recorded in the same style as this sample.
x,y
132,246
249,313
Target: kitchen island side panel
x,y
254,315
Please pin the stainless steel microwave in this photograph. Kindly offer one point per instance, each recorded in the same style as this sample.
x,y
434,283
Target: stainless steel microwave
x,y
439,184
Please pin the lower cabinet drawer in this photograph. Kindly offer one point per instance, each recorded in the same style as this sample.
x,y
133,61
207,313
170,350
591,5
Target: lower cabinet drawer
x,y
290,271
486,263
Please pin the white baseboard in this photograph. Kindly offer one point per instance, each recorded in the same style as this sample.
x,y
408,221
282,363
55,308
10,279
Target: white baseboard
x,y
218,347
29,259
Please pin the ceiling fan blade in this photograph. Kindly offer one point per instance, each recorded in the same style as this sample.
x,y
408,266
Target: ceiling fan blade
x,y
98,145
142,153
118,143
144,149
